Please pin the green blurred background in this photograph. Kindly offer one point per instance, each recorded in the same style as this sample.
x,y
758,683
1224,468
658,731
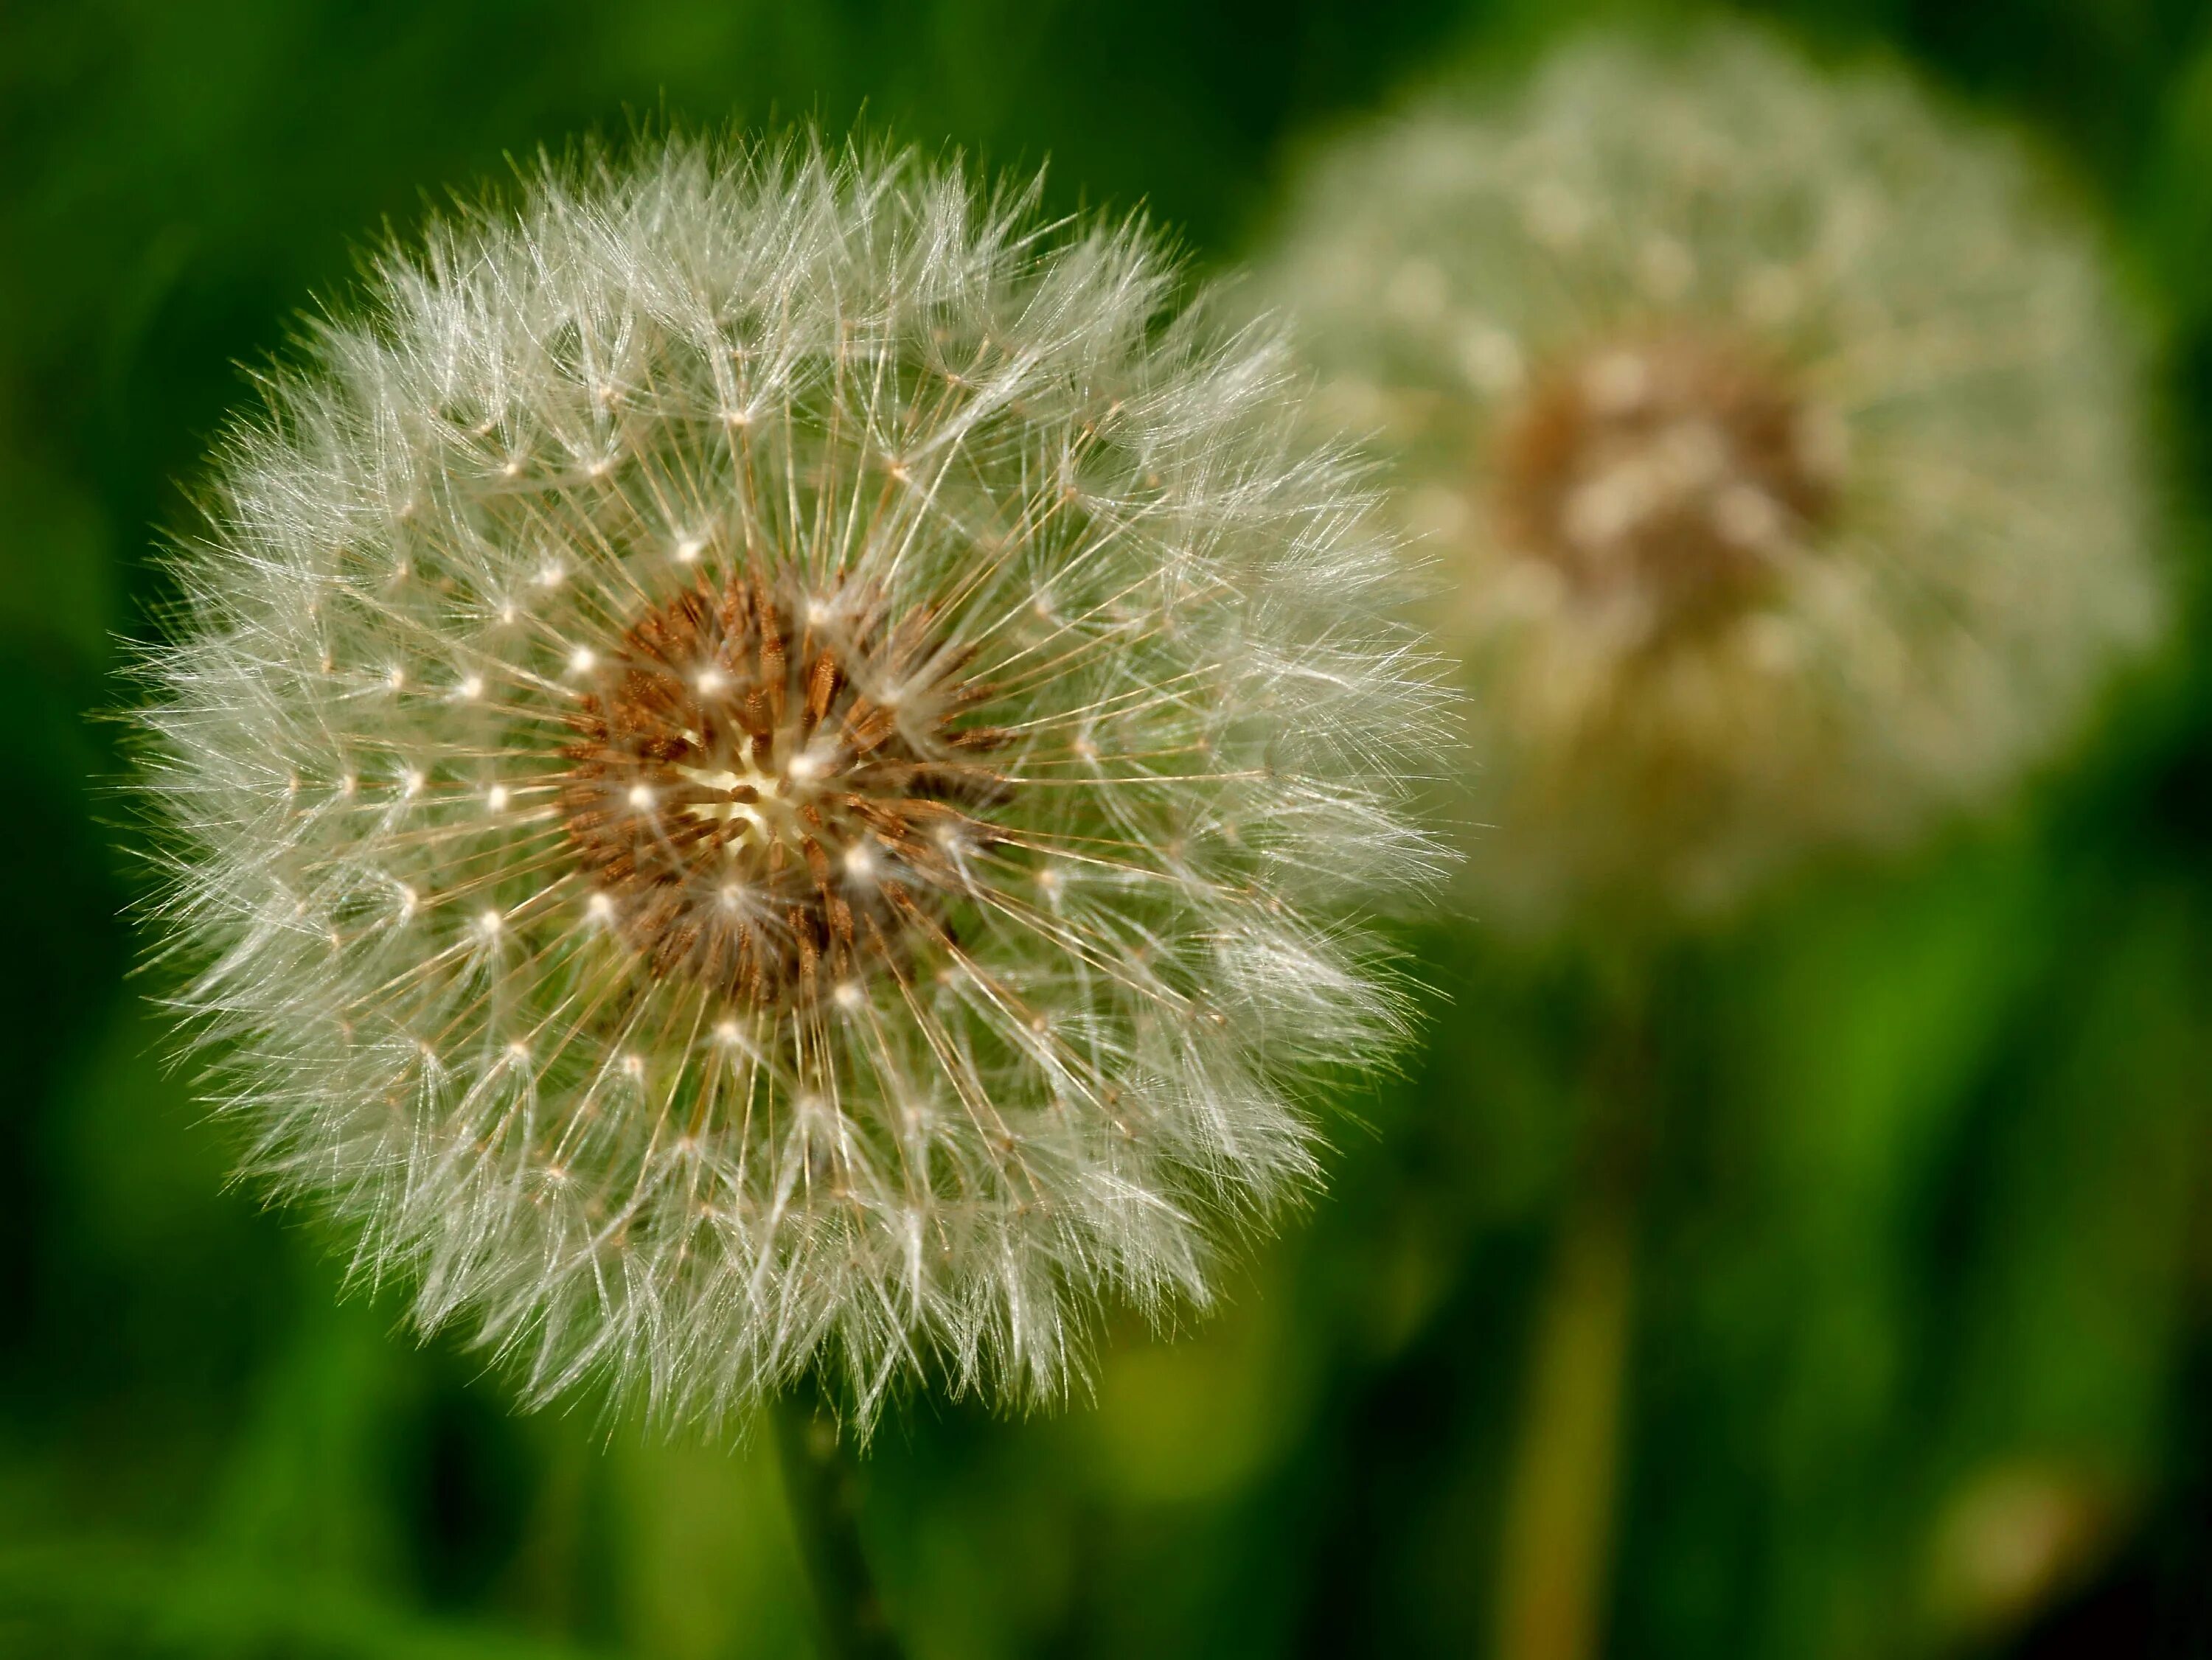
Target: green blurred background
x,y
1923,1355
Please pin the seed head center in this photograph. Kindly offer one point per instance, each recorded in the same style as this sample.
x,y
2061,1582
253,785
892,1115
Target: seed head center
x,y
1673,474
755,808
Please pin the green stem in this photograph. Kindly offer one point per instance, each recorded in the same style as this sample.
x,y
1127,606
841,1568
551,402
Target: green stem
x,y
822,1490
1563,1494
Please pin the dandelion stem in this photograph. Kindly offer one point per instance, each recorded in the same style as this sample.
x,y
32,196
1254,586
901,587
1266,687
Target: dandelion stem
x,y
1561,1503
822,1490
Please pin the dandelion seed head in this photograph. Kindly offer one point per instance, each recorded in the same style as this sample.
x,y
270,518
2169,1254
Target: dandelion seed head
x,y
1808,512
852,848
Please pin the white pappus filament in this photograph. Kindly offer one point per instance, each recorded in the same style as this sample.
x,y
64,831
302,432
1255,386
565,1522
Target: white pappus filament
x,y
830,633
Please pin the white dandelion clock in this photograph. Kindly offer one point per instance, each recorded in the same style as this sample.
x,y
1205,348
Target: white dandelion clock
x,y
769,759
1772,436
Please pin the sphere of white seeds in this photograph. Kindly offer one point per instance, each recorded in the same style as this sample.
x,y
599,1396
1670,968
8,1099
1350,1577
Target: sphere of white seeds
x,y
1772,438
764,752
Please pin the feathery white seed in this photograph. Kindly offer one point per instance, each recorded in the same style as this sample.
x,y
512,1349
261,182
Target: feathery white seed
x,y
820,761
1810,510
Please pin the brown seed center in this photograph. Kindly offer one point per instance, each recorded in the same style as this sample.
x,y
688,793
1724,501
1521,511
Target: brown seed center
x,y
1670,474
773,793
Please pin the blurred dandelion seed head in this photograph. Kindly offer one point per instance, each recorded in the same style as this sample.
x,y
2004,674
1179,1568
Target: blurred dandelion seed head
x,y
1771,437
769,759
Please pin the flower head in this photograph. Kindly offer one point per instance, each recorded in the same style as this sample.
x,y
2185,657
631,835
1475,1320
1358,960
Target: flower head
x,y
763,752
1772,435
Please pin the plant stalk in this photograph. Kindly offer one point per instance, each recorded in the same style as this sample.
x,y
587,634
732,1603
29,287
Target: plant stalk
x,y
822,1490
1564,1487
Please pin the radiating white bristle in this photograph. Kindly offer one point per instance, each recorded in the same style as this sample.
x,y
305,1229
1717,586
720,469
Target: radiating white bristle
x,y
1968,409
1174,611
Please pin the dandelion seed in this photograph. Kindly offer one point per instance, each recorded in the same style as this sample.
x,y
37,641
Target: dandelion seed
x,y
1807,511
804,798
